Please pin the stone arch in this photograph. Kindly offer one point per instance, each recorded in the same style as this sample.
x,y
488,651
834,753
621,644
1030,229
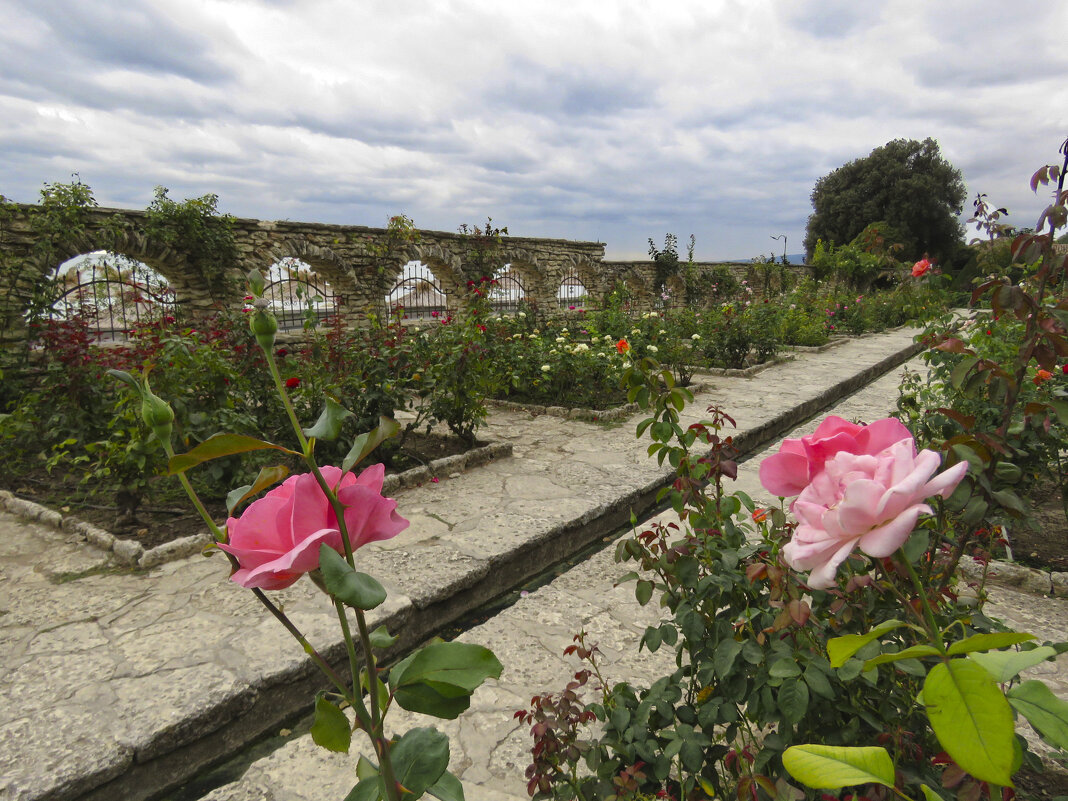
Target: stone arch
x,y
325,264
577,282
192,295
112,293
638,286
323,260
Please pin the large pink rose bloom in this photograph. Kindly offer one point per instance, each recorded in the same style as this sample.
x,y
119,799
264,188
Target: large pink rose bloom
x,y
277,539
789,471
866,501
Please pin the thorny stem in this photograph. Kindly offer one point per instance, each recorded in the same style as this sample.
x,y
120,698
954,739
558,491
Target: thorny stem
x,y
307,646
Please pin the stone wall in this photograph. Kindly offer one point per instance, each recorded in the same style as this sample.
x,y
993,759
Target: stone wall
x,y
343,255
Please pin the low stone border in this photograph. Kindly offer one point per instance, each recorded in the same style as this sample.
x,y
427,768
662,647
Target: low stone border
x,y
745,372
130,553
612,415
589,415
1017,577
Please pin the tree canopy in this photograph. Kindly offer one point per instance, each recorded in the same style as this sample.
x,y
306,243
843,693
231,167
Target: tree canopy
x,y
905,183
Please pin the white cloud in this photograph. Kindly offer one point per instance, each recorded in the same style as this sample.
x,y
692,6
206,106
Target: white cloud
x,y
578,119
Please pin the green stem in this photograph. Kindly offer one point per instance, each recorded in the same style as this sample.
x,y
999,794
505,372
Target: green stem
x,y
354,667
377,736
216,532
928,613
279,385
300,638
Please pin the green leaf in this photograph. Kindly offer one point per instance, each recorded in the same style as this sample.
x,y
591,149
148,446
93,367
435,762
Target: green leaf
x,y
218,445
1043,710
439,678
723,657
841,648
643,591
368,790
328,426
349,586
915,652
126,378
971,719
265,478
929,794
381,638
793,700
365,443
916,545
420,758
784,668
331,728
447,788
818,683
961,371
256,282
460,664
829,767
989,642
1006,665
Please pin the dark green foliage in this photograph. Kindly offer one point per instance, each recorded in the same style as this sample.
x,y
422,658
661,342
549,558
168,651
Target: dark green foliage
x,y
194,227
906,184
666,261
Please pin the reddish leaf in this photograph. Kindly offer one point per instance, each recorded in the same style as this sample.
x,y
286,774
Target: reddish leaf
x,y
953,345
966,420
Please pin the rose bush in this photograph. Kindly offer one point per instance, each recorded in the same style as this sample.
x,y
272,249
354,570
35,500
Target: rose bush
x,y
868,501
278,537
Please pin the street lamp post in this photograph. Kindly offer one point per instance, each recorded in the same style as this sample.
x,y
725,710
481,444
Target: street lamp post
x,y
783,238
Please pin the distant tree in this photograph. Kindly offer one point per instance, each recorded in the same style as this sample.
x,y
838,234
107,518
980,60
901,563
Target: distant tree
x,y
905,184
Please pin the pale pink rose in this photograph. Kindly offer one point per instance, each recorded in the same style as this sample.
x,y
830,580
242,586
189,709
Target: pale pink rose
x,y
277,539
789,471
865,501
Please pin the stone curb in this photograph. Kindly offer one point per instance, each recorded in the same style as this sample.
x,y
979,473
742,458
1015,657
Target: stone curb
x,y
612,415
1018,577
129,553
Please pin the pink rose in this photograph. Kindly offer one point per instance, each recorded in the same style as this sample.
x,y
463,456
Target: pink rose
x,y
789,471
920,267
277,539
866,501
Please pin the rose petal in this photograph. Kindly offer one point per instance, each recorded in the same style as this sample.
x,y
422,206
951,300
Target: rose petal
x,y
784,474
887,538
290,566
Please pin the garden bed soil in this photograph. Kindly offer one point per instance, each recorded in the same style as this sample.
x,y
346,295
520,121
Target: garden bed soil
x,y
174,517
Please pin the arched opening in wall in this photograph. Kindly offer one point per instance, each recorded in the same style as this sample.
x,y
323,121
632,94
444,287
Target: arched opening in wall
x,y
509,291
572,293
417,294
298,297
111,294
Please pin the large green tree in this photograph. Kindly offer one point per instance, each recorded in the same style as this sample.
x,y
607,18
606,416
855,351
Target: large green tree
x,y
905,183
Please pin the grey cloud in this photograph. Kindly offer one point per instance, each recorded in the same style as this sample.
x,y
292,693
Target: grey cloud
x,y
831,19
135,36
551,91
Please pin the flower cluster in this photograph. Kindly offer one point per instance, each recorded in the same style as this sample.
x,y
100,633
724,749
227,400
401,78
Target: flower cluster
x,y
856,486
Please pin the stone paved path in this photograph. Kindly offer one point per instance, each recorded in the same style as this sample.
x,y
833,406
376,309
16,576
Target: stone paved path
x,y
116,684
489,749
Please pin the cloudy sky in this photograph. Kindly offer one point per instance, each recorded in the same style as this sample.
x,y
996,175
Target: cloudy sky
x,y
583,119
